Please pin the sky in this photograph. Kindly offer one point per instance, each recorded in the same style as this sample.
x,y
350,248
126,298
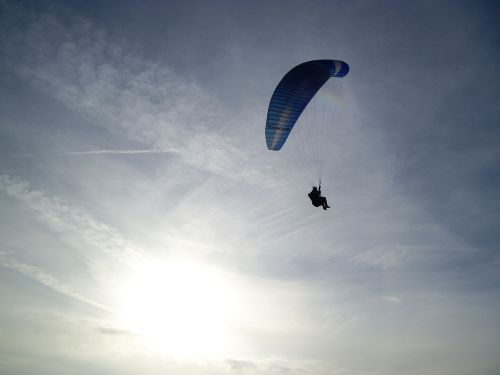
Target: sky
x,y
146,229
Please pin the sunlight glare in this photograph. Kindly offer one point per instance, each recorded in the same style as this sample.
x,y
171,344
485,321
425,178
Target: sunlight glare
x,y
181,308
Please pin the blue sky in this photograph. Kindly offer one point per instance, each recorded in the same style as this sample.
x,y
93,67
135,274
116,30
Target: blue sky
x,y
146,228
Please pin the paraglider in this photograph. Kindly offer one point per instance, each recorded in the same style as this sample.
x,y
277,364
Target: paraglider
x,y
289,100
317,199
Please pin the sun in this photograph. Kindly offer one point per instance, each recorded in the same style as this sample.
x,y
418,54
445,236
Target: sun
x,y
179,307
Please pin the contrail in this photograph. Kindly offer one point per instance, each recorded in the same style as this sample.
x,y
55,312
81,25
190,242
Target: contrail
x,y
105,152
48,280
119,152
62,218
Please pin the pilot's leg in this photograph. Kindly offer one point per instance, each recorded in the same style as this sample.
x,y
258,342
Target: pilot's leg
x,y
325,204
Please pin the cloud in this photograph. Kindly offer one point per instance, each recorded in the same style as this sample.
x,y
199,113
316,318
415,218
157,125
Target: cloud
x,y
276,365
76,63
381,257
241,365
47,280
113,331
393,299
61,217
106,152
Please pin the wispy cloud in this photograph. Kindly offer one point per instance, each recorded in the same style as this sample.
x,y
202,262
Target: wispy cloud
x,y
276,365
47,280
381,257
393,299
107,152
77,64
117,152
61,217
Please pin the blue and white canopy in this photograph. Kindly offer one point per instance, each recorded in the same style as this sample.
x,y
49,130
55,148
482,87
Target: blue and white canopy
x,y
292,95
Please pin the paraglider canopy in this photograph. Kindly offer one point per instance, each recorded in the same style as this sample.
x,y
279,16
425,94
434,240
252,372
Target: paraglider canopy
x,y
292,95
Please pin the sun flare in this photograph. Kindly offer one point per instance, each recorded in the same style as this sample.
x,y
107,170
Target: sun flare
x,y
181,308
